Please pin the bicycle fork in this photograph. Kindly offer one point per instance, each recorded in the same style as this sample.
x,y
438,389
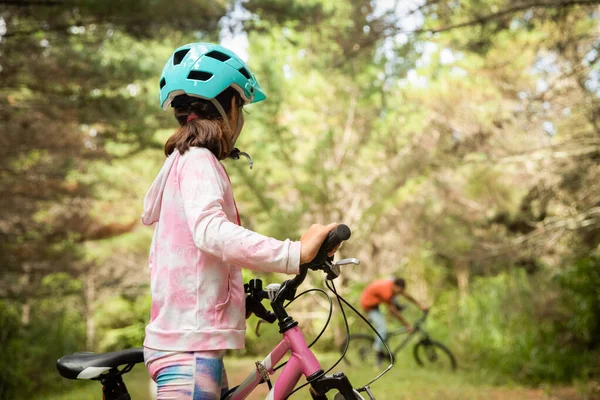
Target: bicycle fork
x,y
338,381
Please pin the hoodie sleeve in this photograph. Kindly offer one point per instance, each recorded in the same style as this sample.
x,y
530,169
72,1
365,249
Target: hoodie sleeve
x,y
202,191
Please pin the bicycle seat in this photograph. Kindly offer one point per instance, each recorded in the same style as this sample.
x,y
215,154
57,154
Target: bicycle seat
x,y
88,365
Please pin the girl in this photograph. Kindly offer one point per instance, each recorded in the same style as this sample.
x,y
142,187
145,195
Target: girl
x,y
198,305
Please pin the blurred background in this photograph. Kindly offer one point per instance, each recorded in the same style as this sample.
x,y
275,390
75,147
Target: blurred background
x,y
460,140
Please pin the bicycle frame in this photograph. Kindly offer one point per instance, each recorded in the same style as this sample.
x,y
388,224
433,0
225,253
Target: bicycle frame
x,y
405,341
418,330
302,362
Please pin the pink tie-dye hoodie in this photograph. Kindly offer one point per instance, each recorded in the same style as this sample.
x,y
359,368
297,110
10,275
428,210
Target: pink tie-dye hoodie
x,y
196,253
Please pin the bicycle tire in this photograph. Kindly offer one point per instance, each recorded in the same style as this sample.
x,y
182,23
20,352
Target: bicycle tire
x,y
426,352
360,350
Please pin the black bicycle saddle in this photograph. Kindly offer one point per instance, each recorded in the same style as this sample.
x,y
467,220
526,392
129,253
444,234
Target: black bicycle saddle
x,y
88,365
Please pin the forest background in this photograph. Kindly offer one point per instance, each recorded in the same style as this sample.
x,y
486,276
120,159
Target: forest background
x,y
460,140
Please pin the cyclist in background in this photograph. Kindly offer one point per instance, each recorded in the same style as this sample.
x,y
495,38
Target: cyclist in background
x,y
385,291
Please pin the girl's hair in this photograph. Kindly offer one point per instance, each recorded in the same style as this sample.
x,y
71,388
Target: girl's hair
x,y
208,130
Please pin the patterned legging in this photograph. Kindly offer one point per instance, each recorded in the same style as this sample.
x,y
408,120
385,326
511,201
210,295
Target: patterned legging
x,y
187,375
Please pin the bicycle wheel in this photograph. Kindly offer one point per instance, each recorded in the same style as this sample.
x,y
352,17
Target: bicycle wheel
x,y
431,353
360,350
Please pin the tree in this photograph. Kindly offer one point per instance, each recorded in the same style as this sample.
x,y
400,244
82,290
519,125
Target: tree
x,y
76,114
75,93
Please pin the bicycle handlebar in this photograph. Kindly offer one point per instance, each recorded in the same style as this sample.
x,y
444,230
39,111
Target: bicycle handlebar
x,y
334,238
287,290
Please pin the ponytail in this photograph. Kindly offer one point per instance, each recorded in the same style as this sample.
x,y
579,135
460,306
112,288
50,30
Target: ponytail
x,y
198,132
201,124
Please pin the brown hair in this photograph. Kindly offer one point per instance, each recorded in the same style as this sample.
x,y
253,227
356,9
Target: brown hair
x,y
208,130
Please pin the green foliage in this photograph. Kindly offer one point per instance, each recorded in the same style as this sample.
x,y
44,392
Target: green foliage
x,y
581,299
30,350
121,322
510,323
12,376
80,79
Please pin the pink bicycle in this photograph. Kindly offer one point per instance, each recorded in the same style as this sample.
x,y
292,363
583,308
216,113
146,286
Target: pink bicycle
x,y
302,362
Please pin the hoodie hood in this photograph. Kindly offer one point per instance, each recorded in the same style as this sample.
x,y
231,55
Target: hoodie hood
x,y
153,199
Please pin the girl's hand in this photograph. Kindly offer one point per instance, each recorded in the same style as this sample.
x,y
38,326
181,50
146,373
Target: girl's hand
x,y
312,240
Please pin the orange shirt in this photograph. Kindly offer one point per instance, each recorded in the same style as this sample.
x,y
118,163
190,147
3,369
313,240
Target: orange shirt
x,y
380,291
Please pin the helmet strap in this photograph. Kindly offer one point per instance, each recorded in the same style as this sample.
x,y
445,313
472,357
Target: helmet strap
x,y
238,128
221,111
236,153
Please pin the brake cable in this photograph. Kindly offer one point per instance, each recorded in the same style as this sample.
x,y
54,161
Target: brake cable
x,y
334,365
372,328
328,316
340,299
347,341
326,322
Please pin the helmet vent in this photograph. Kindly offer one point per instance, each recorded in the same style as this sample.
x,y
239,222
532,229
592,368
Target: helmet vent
x,y
179,55
245,72
163,82
217,55
200,75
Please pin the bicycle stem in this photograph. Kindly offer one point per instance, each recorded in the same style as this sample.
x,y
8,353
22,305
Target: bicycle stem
x,y
287,292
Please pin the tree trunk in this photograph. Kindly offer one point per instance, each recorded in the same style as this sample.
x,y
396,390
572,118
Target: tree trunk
x,y
90,295
462,278
26,310
461,271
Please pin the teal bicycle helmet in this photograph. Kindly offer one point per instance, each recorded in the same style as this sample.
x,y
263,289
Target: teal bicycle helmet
x,y
205,70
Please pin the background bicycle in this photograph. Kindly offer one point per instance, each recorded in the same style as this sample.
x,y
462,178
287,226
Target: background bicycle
x,y
426,351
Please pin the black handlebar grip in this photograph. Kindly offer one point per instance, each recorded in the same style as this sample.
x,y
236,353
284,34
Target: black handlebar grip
x,y
335,237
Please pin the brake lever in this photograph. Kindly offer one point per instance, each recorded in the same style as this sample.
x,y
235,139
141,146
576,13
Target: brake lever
x,y
347,261
333,269
256,331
